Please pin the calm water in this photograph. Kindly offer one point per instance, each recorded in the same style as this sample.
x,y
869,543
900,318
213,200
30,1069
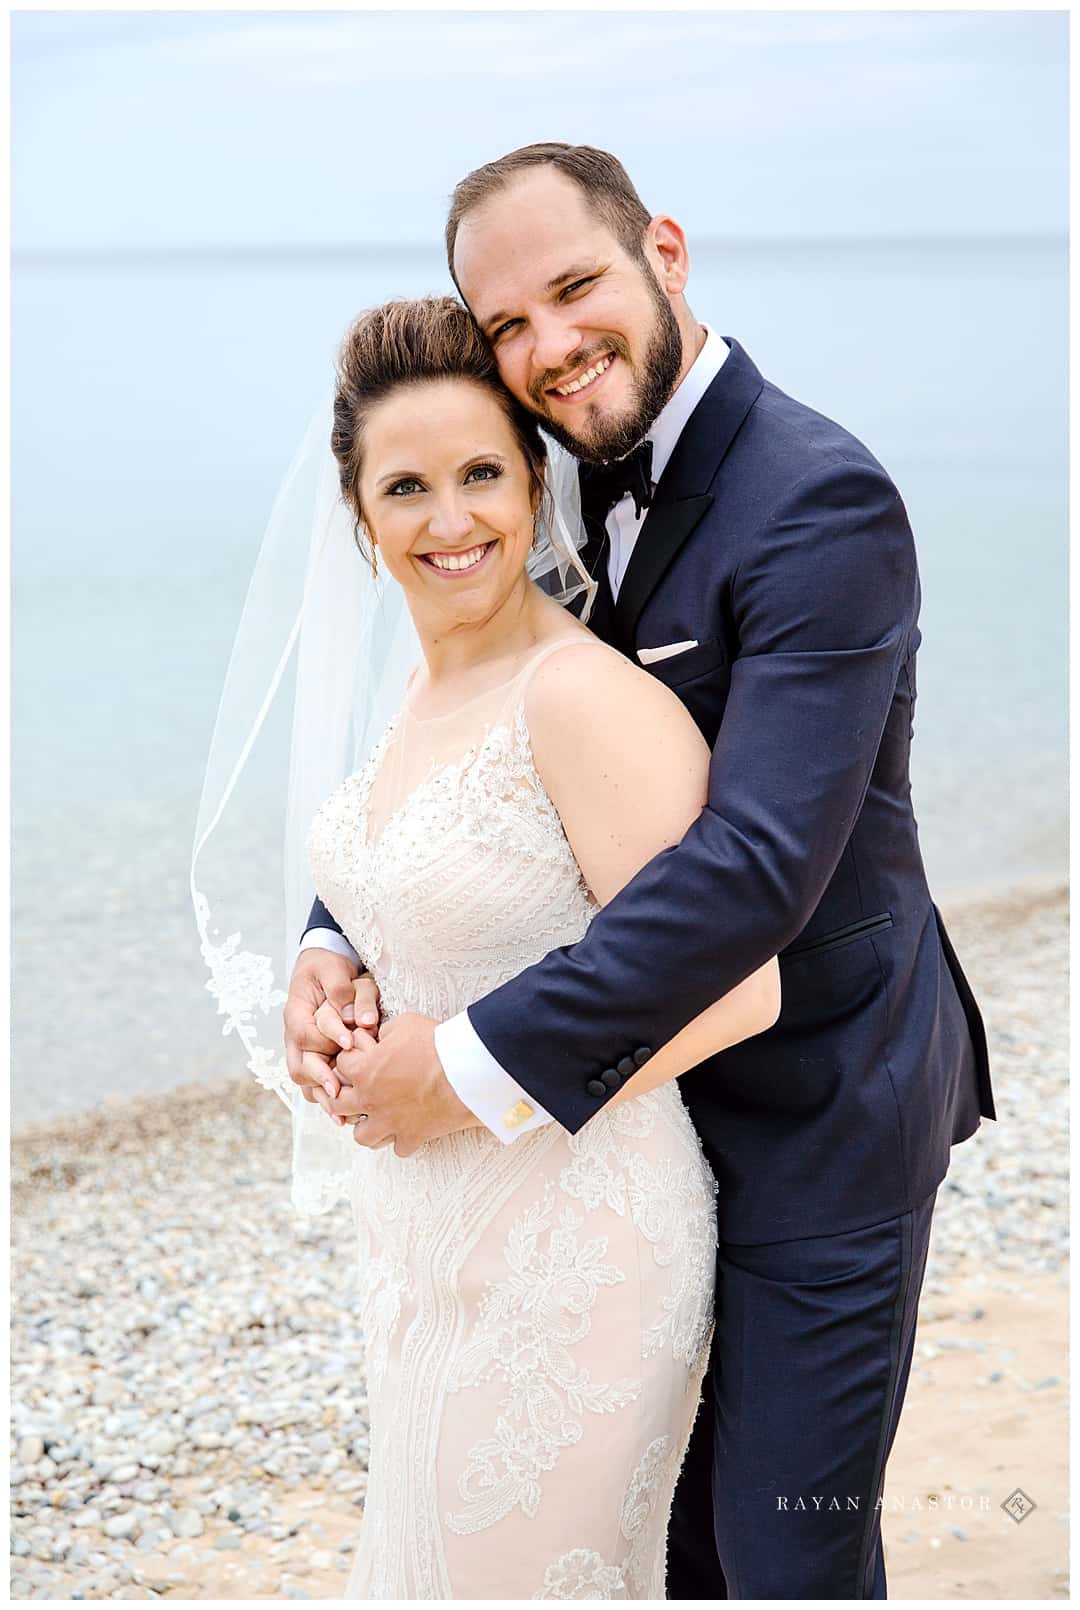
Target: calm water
x,y
156,404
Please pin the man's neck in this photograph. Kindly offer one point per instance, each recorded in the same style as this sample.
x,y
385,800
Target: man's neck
x,y
693,340
708,353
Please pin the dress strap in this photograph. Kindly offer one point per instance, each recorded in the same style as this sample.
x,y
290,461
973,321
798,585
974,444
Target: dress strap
x,y
582,639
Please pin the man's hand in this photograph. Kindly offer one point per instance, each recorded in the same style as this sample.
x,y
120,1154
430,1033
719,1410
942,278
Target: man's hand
x,y
325,1002
399,1083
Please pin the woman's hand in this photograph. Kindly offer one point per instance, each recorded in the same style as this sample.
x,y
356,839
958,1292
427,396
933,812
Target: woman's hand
x,y
366,1004
399,1083
320,1013
347,1105
331,1023
338,1026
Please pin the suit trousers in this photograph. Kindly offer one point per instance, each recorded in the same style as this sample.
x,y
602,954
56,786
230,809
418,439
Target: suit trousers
x,y
780,1492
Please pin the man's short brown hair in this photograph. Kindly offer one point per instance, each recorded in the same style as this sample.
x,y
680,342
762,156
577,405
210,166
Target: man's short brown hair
x,y
600,177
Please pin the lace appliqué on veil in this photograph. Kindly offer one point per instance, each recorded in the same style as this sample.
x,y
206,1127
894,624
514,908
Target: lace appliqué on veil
x,y
242,983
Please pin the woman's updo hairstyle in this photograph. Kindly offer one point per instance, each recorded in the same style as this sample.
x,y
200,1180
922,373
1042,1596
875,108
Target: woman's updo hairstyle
x,y
405,344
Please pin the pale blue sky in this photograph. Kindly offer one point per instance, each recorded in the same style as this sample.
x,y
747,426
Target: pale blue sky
x,y
351,128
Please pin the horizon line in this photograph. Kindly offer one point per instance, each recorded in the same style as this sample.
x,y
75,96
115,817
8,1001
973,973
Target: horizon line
x,y
225,252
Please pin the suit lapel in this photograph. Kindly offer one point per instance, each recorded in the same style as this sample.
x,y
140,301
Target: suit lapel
x,y
683,495
663,533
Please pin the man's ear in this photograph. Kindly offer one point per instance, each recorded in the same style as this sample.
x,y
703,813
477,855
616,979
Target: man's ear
x,y
665,245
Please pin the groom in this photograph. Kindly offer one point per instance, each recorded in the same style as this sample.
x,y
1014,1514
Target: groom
x,y
759,561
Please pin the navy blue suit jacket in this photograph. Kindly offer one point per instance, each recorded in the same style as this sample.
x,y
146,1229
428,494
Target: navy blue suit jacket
x,y
779,543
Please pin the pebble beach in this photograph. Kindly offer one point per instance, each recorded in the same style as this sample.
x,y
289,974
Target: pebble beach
x,y
189,1416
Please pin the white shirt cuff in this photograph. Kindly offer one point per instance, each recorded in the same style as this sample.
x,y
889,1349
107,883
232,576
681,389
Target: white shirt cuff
x,y
484,1084
329,939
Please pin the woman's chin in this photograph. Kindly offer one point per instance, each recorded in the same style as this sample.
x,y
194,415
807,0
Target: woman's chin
x,y
473,596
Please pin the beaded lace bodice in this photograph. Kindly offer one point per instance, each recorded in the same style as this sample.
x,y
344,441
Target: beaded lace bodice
x,y
444,859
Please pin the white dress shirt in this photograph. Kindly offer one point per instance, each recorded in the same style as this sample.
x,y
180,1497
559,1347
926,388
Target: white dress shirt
x,y
483,1083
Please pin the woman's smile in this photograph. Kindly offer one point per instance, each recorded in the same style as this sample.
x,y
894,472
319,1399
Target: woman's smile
x,y
461,562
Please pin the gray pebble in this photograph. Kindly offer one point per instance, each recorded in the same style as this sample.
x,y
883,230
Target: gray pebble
x,y
121,1525
188,1523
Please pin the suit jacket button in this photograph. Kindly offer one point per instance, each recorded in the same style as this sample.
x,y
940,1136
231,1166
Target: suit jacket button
x,y
596,1088
610,1078
642,1055
626,1067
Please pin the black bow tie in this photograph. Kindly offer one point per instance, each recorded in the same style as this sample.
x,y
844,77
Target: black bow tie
x,y
602,485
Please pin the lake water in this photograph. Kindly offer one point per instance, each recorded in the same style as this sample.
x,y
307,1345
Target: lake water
x,y
156,403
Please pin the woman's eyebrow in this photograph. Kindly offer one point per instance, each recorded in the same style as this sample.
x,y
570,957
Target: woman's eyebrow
x,y
489,455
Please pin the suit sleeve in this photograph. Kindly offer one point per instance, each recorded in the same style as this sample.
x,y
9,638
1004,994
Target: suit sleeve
x,y
319,917
826,598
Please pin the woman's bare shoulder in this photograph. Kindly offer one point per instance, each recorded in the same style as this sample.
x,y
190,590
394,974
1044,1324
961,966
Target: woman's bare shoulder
x,y
584,687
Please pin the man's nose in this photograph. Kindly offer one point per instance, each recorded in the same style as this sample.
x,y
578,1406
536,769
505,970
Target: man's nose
x,y
555,339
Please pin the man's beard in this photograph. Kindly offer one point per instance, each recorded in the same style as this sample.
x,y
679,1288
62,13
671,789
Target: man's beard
x,y
653,386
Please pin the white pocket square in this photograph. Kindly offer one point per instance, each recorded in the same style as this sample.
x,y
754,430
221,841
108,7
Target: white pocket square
x,y
649,656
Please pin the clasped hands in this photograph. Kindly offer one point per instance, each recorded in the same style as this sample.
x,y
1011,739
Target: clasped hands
x,y
340,1058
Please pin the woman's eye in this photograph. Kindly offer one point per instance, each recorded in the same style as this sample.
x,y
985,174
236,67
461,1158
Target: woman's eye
x,y
483,472
402,489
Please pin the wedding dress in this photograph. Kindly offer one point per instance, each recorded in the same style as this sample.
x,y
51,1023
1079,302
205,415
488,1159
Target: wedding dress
x,y
536,1315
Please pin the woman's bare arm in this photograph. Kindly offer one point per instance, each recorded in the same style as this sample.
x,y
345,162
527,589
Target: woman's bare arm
x,y
627,770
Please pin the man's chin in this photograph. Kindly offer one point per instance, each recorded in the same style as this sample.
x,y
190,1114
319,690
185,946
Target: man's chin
x,y
608,439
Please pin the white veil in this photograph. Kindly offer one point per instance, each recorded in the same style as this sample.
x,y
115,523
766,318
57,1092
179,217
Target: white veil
x,y
318,667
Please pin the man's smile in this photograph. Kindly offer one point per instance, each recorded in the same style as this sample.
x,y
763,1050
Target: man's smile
x,y
584,382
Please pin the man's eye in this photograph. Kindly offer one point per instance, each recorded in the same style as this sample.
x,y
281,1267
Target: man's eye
x,y
504,329
403,488
483,472
577,285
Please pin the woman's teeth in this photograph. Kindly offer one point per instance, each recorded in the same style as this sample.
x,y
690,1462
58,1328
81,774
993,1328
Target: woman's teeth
x,y
457,561
584,380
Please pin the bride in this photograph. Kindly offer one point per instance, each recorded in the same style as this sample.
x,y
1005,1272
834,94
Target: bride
x,y
536,1316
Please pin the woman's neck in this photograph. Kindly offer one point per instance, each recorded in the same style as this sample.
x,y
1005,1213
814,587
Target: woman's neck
x,y
464,653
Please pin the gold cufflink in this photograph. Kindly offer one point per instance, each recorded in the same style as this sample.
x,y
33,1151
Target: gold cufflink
x,y
517,1114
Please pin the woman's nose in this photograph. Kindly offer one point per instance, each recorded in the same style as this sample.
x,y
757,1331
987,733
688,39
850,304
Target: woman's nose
x,y
451,519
